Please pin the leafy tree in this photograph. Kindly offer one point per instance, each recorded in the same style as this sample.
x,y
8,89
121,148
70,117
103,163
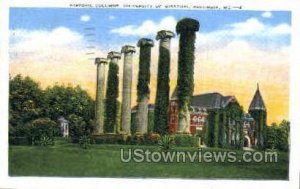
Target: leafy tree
x,y
283,135
271,136
277,136
25,100
61,100
187,28
112,93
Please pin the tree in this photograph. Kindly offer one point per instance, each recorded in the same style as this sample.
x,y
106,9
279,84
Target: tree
x,y
112,93
187,28
271,136
283,135
61,100
277,136
26,100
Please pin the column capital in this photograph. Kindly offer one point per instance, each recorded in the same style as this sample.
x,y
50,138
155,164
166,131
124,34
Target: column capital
x,y
114,54
164,34
100,61
128,49
187,24
145,42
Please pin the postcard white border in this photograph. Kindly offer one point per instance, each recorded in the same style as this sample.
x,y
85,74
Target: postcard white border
x,y
58,182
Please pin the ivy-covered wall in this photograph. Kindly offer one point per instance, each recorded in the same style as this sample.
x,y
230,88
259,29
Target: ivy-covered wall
x,y
217,126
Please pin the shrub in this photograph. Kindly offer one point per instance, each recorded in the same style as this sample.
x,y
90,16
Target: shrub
x,y
136,140
152,138
19,141
186,141
166,143
85,142
41,129
110,139
77,128
45,141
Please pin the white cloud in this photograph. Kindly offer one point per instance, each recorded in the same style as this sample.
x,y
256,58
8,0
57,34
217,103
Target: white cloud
x,y
85,18
148,27
43,45
267,14
249,27
281,29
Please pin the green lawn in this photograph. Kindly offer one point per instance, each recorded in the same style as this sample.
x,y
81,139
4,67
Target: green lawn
x,y
69,160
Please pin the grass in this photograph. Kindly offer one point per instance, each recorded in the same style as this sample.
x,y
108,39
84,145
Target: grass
x,y
68,160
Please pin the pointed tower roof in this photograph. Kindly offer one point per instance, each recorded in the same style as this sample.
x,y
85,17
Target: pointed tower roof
x,y
257,102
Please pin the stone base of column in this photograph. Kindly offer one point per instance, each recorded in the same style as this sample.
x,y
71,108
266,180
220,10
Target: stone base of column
x,y
183,133
124,133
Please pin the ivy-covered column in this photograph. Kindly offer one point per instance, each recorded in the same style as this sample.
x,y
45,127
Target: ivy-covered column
x,y
100,62
241,134
163,80
187,28
216,128
222,138
143,90
112,93
127,85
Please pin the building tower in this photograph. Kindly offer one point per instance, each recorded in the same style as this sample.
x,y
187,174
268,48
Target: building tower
x,y
258,111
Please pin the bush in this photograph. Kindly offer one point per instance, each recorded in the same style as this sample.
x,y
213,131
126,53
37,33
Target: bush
x,y
136,140
45,141
19,141
152,138
166,143
85,142
40,130
186,141
77,128
110,139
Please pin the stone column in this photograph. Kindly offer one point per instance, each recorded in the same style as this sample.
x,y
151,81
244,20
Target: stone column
x,y
163,80
143,84
100,62
127,84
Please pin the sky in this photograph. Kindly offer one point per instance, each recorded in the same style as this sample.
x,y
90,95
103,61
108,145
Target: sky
x,y
235,50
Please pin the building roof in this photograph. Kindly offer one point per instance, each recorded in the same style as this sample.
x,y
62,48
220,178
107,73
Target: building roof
x,y
212,100
62,119
208,101
257,102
